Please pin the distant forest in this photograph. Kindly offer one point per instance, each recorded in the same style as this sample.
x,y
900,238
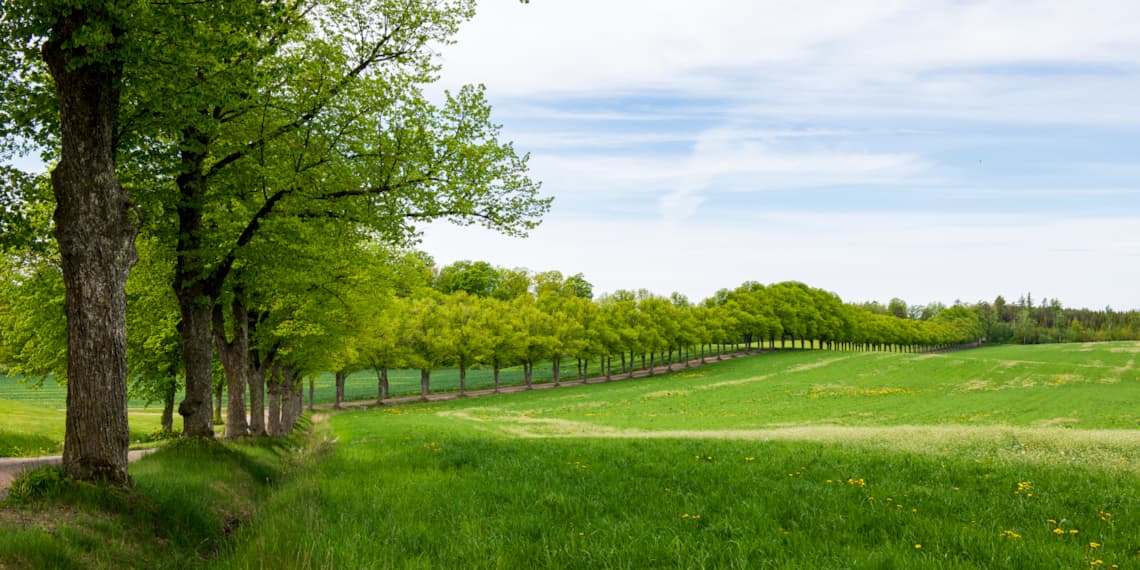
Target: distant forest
x,y
1028,322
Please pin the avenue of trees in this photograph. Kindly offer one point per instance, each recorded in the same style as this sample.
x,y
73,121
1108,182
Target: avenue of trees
x,y
235,188
251,146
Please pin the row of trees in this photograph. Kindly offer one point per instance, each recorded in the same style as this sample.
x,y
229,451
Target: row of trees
x,y
553,320
234,141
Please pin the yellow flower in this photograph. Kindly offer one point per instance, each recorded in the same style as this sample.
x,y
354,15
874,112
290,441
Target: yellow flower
x,y
1010,534
1051,521
1104,516
1094,545
1058,531
1073,531
917,546
1096,562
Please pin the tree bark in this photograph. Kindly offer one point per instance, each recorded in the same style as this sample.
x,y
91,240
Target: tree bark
x,y
234,355
495,373
273,408
340,378
312,392
96,236
197,354
462,379
257,400
425,383
168,408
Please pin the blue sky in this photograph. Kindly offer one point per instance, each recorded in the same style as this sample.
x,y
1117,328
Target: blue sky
x,y
932,151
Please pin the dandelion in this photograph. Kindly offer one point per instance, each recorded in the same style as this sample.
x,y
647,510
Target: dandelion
x,y
1051,521
1096,562
1058,531
1105,516
1024,487
1094,545
1073,531
750,459
918,547
1010,534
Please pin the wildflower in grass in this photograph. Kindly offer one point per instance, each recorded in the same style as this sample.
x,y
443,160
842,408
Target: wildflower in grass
x,y
1010,534
1094,545
918,547
1025,487
1051,521
1096,562
1058,531
1073,531
750,459
1105,516
857,482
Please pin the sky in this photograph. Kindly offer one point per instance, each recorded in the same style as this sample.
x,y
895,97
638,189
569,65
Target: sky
x,y
933,151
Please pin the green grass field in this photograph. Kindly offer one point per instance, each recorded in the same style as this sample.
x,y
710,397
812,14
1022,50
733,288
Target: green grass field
x,y
1010,457
28,430
1006,457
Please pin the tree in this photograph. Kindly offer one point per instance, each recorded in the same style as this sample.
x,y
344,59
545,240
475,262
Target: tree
x,y
83,44
504,337
370,151
476,278
463,332
537,330
424,332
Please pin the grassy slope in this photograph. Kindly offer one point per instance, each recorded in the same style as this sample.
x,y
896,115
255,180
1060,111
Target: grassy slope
x,y
703,470
187,499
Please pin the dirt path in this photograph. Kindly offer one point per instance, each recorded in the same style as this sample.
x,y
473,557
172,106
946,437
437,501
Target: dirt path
x,y
11,467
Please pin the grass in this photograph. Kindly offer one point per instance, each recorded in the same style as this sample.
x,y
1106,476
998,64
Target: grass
x,y
187,499
1007,457
28,430
1002,457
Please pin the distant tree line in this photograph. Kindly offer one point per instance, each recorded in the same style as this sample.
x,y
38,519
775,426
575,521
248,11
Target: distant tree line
x,y
1027,322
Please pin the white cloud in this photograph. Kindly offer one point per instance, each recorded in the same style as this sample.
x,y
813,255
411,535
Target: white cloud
x,y
801,58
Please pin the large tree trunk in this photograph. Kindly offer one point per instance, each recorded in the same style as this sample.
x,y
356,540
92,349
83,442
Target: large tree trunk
x,y
96,237
291,402
168,408
196,291
257,400
340,378
234,356
197,354
273,408
219,389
